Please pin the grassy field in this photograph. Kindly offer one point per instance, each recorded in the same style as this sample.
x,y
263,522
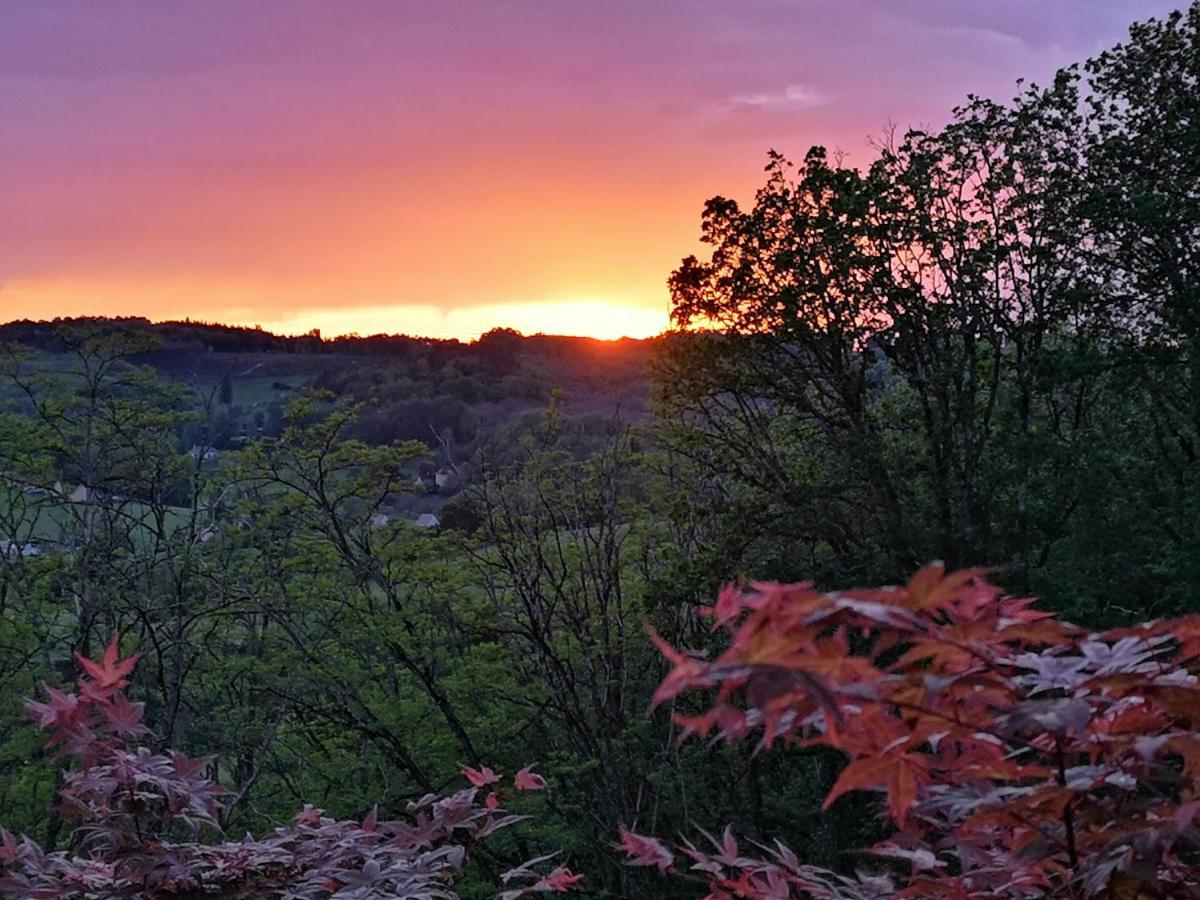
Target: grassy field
x,y
52,522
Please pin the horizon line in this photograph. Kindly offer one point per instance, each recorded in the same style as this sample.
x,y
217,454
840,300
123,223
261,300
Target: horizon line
x,y
318,334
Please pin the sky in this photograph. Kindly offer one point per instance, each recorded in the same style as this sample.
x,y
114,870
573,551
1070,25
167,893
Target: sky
x,y
442,167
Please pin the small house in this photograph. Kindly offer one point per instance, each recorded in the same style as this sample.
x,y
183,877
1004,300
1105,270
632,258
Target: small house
x,y
15,550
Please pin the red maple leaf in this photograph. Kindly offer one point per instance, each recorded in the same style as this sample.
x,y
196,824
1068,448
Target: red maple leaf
x,y
481,777
528,780
559,881
644,851
111,673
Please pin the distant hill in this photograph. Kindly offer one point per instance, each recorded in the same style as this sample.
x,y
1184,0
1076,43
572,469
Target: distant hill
x,y
458,397
184,343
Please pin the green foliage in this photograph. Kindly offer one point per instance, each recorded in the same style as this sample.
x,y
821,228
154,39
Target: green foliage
x,y
947,354
981,348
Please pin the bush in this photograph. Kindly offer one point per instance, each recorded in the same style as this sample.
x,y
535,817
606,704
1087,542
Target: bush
x,y
140,814
1018,756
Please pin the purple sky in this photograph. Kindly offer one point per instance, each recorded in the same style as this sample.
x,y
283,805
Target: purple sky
x,y
443,167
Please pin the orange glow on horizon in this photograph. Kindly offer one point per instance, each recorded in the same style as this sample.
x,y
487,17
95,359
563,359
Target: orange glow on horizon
x,y
250,306
581,318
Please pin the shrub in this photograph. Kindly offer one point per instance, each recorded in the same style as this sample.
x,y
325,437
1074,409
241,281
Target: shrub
x,y
140,814
1017,755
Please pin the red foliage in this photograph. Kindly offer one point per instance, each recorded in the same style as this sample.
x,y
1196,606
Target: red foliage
x,y
528,780
131,803
1018,756
481,777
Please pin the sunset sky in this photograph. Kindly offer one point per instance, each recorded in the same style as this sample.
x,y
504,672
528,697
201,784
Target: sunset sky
x,y
444,167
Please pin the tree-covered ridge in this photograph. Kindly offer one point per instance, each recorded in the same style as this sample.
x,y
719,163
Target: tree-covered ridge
x,y
460,399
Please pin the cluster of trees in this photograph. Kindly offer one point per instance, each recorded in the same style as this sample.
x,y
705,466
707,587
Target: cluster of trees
x,y
316,654
984,348
186,336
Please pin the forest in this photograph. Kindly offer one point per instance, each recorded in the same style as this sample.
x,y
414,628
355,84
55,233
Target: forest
x,y
639,652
